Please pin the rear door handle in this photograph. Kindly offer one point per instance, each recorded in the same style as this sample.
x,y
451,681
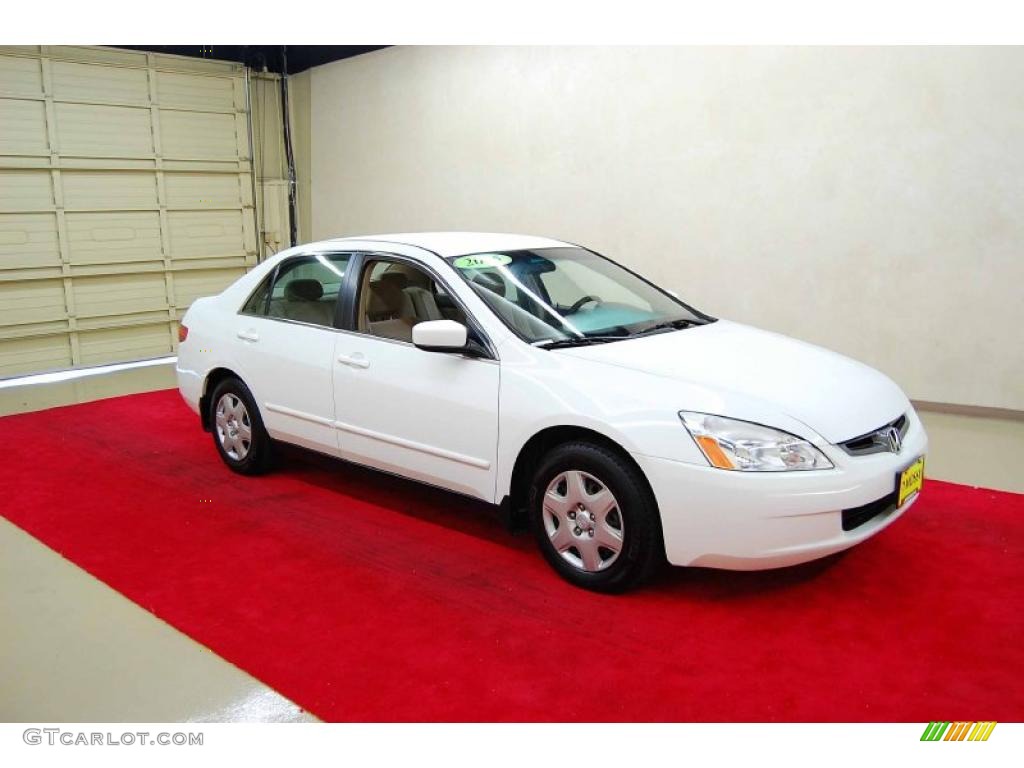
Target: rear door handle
x,y
355,361
248,335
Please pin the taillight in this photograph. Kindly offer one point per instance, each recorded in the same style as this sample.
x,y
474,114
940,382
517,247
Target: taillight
x,y
182,333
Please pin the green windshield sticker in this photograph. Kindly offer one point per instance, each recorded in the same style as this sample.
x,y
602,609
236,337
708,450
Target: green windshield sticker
x,y
482,261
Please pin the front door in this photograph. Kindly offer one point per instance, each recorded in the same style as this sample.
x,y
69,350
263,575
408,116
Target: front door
x,y
426,415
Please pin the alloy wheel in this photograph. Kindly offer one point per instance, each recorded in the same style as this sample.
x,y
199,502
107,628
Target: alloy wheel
x,y
583,521
234,429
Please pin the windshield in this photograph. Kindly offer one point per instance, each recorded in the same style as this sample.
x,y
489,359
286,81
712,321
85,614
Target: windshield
x,y
571,295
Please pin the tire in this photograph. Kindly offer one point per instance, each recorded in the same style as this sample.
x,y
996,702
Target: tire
x,y
238,432
585,502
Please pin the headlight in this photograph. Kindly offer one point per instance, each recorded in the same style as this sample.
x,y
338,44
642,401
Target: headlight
x,y
734,444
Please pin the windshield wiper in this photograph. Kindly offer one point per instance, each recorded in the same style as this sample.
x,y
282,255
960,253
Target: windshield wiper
x,y
669,325
578,341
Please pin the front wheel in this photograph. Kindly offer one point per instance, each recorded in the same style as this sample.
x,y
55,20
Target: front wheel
x,y
594,518
237,428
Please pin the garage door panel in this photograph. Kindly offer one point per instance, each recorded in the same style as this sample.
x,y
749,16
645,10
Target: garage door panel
x,y
93,82
28,240
96,130
115,56
203,190
72,163
105,238
20,76
189,286
32,301
141,203
31,355
118,190
119,295
216,262
116,344
199,234
200,135
26,190
23,127
135,319
199,92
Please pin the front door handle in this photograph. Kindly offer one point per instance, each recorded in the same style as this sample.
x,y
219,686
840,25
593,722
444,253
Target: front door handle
x,y
354,361
248,335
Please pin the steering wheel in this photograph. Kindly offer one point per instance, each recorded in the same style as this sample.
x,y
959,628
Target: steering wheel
x,y
585,300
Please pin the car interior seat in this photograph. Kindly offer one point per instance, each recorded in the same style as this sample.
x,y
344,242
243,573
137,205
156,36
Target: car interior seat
x,y
387,310
423,303
302,302
397,300
418,287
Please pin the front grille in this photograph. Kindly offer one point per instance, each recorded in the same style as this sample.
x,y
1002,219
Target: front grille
x,y
856,517
876,441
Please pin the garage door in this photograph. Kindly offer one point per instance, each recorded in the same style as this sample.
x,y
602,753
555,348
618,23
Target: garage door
x,y
125,193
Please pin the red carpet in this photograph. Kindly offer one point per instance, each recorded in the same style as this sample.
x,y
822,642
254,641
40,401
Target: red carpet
x,y
362,597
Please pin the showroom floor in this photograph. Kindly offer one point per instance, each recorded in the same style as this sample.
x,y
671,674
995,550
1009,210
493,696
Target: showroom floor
x,y
363,597
74,650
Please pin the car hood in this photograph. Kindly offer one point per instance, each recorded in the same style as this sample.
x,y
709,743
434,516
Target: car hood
x,y
835,396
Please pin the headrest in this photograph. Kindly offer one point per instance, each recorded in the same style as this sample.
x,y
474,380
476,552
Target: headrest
x,y
396,279
386,297
304,289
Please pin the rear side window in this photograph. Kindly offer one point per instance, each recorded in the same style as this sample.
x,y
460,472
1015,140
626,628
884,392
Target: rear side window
x,y
257,303
305,289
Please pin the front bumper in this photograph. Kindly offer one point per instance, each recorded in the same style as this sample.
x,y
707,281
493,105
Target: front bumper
x,y
754,520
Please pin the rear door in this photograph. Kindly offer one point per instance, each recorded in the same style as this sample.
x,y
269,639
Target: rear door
x,y
285,336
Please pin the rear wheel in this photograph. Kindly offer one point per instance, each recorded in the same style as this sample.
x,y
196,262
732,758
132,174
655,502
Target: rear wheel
x,y
595,518
237,428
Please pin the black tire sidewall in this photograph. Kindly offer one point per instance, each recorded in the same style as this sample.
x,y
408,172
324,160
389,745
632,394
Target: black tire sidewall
x,y
643,549
258,458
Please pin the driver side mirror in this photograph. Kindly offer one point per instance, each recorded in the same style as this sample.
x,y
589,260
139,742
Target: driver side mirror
x,y
440,336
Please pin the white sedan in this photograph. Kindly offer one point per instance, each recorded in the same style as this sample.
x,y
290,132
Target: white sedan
x,y
626,426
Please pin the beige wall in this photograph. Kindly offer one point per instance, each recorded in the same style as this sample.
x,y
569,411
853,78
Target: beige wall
x,y
870,200
867,199
975,450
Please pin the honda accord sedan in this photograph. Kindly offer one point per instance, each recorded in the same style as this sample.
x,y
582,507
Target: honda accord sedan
x,y
623,425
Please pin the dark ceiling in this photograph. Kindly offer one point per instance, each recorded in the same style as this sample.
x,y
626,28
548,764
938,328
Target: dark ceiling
x,y
299,57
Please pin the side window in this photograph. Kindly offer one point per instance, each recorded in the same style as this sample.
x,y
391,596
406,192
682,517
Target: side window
x,y
394,296
305,289
257,303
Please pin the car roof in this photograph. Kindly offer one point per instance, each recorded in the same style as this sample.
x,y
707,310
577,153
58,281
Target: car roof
x,y
448,244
